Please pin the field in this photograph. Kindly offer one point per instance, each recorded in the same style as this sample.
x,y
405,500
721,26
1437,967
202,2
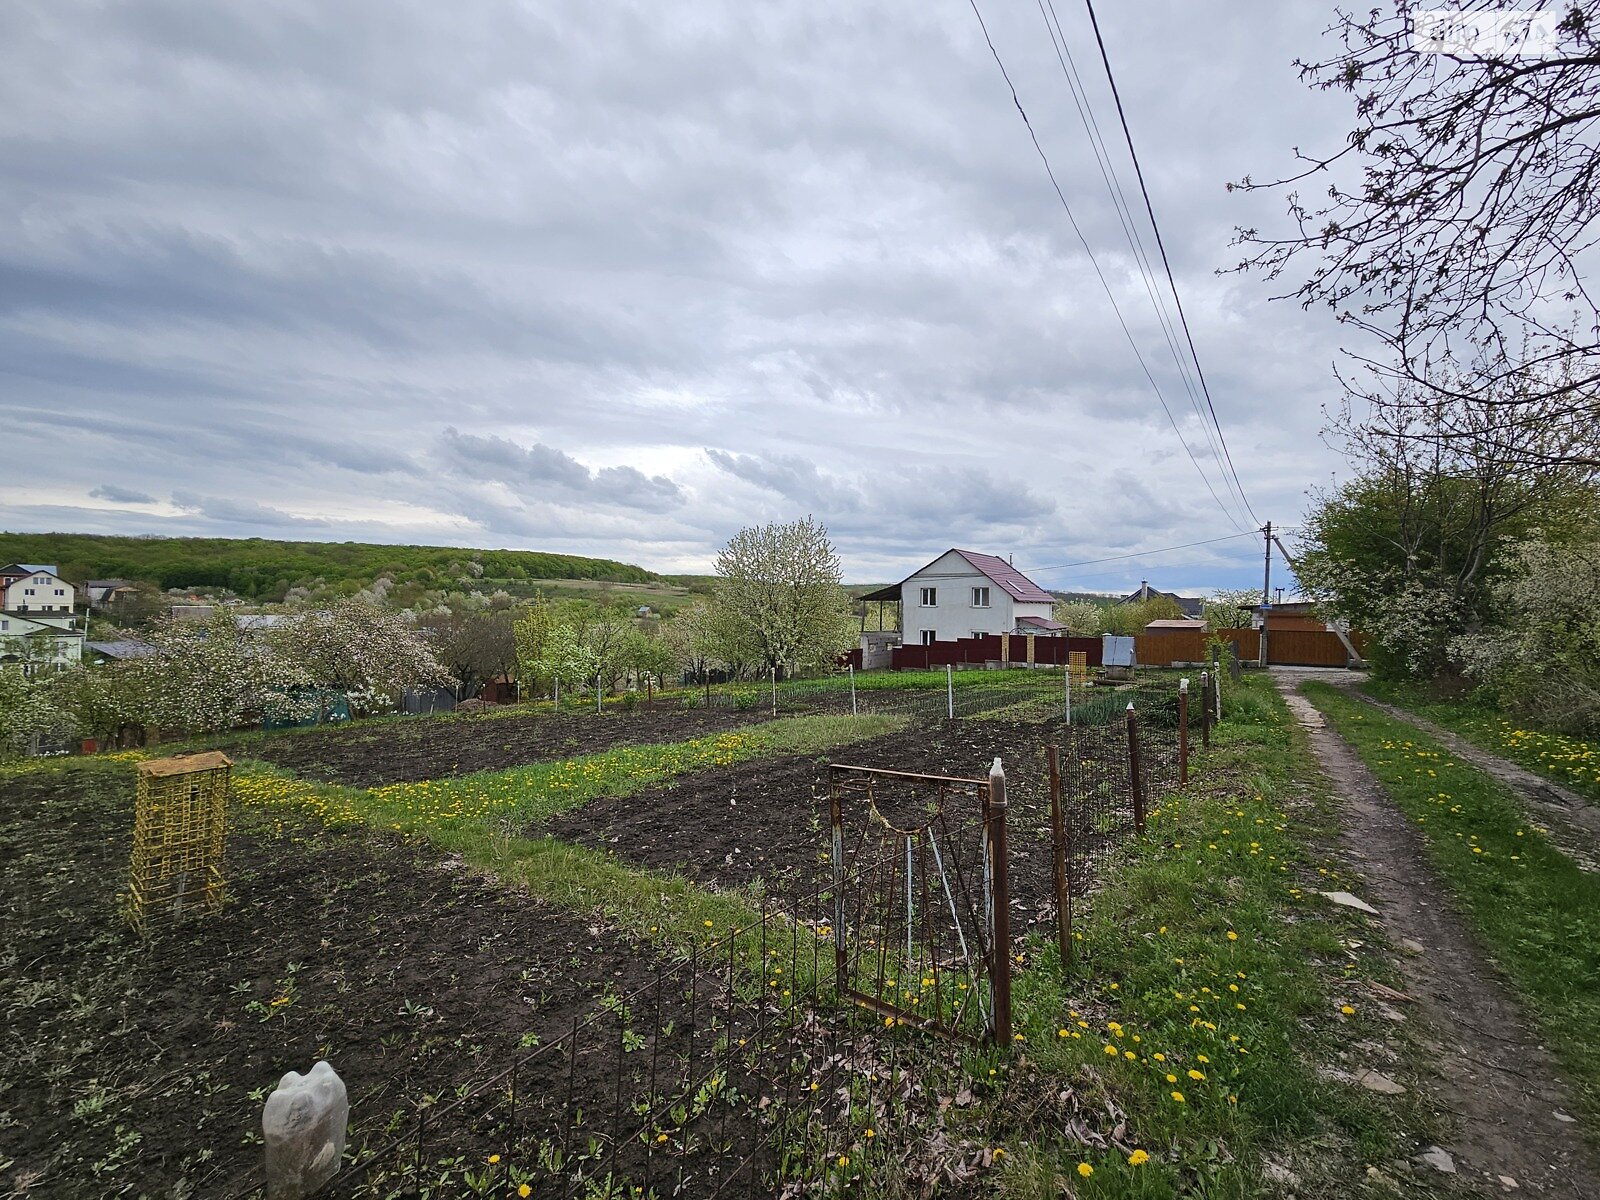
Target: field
x,y
622,905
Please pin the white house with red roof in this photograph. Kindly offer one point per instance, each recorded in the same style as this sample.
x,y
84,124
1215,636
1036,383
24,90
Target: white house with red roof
x,y
964,594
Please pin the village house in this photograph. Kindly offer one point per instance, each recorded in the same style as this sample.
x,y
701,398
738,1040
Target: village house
x,y
37,628
34,588
964,594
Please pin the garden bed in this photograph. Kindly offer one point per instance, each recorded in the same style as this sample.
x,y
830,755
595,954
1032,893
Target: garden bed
x,y
406,750
763,826
133,1068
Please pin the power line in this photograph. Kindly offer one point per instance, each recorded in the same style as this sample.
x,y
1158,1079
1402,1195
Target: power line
x,y
1115,308
1161,246
1124,211
1089,562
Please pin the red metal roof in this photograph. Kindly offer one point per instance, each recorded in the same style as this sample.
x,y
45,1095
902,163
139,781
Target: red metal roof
x,y
1017,585
1040,623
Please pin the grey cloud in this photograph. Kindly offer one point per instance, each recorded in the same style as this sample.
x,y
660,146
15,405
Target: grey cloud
x,y
120,495
239,512
540,469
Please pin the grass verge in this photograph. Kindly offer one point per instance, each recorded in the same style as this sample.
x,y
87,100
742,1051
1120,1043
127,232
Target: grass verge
x,y
1535,909
1561,758
1206,992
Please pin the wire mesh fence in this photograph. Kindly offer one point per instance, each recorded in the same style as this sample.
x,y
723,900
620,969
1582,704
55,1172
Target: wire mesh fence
x,y
736,1071
841,1032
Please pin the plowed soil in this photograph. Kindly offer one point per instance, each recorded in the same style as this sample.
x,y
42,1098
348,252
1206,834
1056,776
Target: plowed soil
x,y
404,750
764,825
129,1068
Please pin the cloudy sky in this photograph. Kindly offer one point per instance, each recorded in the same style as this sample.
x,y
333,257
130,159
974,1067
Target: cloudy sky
x,y
615,278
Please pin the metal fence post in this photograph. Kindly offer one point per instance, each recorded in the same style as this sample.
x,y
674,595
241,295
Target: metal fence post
x,y
599,700
1135,778
1066,688
1216,691
950,691
853,689
1000,908
773,672
841,958
1058,840
1183,732
1205,709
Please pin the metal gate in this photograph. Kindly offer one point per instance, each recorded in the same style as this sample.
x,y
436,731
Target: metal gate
x,y
921,899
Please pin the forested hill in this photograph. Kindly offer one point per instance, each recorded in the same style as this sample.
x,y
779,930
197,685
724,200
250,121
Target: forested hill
x,y
265,569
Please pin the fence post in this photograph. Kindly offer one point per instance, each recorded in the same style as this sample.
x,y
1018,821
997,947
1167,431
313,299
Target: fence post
x,y
558,693
1205,709
1183,732
841,958
852,689
1134,775
649,693
1066,688
773,673
950,691
999,908
1216,691
599,700
1058,840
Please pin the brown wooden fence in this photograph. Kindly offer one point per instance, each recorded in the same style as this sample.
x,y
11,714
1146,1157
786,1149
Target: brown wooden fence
x,y
1285,647
1190,645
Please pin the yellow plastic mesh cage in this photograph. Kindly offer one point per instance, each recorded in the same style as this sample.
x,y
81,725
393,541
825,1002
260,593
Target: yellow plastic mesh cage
x,y
180,815
1078,668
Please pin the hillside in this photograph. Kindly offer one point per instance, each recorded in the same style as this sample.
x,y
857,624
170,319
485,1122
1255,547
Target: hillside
x,y
264,569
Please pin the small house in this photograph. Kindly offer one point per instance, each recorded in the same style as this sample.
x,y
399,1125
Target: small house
x,y
963,594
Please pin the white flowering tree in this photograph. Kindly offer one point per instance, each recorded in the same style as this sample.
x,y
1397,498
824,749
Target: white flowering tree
x,y
28,714
207,677
352,646
779,599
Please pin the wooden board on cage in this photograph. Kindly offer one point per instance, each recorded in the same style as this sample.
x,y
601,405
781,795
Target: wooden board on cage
x,y
179,819
1078,668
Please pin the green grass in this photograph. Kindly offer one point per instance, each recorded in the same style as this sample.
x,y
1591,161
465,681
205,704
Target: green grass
x,y
1212,900
1535,909
512,799
1570,761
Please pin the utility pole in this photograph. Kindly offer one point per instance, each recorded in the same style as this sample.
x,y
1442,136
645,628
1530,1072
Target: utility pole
x,y
1266,589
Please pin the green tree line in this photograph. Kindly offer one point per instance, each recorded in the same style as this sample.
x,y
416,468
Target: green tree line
x,y
265,569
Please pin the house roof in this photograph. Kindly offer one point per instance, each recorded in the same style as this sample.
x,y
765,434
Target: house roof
x,y
1015,584
108,583
1190,606
126,648
28,569
1040,623
1177,623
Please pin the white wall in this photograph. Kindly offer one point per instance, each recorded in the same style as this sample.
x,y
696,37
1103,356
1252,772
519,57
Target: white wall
x,y
47,644
40,592
954,616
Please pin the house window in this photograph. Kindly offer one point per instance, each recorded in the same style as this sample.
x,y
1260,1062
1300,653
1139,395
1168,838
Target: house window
x,y
929,636
980,597
979,633
27,591
60,592
930,597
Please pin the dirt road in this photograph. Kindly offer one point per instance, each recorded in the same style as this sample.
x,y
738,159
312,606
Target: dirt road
x,y
1511,1128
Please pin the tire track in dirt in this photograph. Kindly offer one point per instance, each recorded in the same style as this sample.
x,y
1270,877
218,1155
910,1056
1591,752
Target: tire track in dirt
x,y
1490,1070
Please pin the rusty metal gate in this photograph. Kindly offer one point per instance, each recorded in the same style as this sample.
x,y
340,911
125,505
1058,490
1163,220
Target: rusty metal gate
x,y
921,899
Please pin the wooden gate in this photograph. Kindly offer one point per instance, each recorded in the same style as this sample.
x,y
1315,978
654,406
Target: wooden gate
x,y
1306,648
